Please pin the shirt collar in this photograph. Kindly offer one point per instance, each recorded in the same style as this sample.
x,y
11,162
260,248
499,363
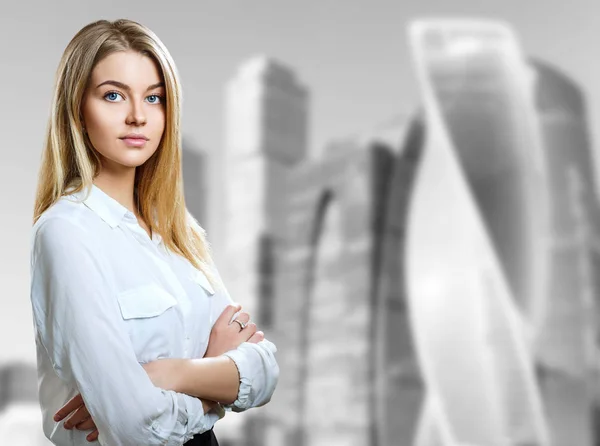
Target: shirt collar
x,y
107,208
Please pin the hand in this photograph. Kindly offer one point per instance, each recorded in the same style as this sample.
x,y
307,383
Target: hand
x,y
81,419
226,336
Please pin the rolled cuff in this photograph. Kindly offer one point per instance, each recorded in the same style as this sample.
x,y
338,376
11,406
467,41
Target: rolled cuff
x,y
240,360
258,374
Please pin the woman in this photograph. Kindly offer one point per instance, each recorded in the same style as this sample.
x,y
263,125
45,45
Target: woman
x,y
137,339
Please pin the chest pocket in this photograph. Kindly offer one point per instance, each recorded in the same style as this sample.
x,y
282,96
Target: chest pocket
x,y
152,321
145,301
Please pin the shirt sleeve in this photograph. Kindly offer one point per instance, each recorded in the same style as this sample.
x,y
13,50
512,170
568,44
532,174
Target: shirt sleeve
x,y
256,363
79,325
258,372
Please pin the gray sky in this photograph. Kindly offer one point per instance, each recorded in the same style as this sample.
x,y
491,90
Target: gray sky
x,y
351,54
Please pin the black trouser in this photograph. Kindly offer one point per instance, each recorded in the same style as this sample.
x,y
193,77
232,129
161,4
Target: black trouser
x,y
204,439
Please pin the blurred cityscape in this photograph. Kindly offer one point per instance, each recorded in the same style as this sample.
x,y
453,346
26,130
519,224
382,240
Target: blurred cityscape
x,y
427,283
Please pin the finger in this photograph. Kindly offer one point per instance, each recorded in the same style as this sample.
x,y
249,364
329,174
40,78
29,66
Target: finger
x,y
80,415
86,424
242,317
73,404
93,436
257,337
228,313
249,331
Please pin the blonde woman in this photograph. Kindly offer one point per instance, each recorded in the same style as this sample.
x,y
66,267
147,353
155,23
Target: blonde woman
x,y
138,342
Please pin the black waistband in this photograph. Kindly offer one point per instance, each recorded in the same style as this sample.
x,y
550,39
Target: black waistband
x,y
204,439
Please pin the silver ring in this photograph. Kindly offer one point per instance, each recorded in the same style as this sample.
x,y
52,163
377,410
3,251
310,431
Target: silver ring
x,y
241,324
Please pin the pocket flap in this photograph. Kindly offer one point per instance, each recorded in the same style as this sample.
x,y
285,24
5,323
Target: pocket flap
x,y
145,301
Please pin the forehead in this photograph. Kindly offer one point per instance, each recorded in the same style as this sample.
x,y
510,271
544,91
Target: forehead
x,y
128,67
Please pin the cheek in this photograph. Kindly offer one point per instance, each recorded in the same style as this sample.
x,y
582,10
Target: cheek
x,y
159,119
102,133
102,122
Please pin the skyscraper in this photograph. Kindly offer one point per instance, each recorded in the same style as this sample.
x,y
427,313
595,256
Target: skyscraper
x,y
477,235
565,347
266,136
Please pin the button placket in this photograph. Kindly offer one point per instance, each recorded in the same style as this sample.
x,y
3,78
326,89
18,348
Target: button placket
x,y
167,265
160,261
134,224
187,344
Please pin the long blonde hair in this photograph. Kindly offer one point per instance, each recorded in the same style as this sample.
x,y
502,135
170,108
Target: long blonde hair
x,y
69,162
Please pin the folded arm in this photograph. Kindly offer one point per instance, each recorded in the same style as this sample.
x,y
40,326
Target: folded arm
x,y
257,369
240,379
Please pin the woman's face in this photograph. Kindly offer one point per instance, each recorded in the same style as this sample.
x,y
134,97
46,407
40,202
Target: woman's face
x,y
126,95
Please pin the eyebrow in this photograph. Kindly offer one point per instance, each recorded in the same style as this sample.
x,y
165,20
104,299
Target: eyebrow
x,y
126,87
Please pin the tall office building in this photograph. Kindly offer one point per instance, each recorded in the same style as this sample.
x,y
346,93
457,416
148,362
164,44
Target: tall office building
x,y
476,259
565,347
266,136
348,370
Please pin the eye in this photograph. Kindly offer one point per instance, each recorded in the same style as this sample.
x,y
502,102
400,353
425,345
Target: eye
x,y
158,100
112,95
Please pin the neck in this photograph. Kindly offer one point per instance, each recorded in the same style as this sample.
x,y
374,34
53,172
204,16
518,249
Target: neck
x,y
118,186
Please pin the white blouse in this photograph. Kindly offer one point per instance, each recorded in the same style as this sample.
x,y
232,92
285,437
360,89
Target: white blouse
x,y
106,298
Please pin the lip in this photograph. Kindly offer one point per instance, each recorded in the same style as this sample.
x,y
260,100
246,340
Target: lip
x,y
134,142
135,136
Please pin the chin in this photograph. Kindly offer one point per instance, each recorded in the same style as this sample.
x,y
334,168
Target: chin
x,y
134,161
129,157
133,165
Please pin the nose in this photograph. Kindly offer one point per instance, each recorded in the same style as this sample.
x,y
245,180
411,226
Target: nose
x,y
136,115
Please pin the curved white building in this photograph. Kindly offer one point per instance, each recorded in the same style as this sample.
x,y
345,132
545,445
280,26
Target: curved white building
x,y
476,236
